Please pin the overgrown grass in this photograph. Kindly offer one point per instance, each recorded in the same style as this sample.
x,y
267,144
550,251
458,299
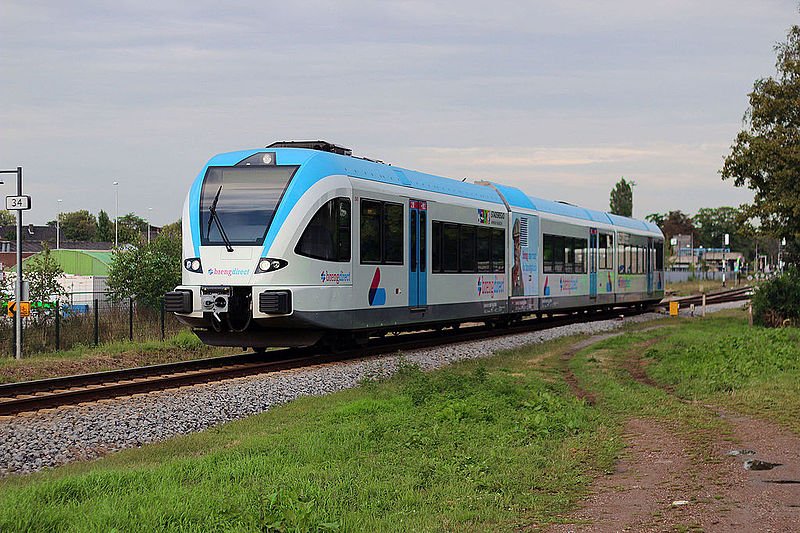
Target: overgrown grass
x,y
604,369
478,446
723,360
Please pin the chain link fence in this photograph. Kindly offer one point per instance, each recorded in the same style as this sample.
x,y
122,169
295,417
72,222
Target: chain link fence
x,y
87,319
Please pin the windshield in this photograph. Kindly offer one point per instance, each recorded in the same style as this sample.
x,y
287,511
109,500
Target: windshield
x,y
245,203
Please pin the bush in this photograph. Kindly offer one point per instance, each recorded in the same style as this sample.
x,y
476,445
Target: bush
x,y
777,302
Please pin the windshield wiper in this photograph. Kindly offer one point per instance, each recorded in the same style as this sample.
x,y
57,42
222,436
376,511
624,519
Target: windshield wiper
x,y
215,218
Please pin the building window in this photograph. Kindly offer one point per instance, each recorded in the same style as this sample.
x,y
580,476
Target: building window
x,y
327,236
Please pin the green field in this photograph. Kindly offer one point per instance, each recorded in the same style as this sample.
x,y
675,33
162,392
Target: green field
x,y
500,444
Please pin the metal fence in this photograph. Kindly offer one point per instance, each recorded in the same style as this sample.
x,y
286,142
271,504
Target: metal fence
x,y
88,319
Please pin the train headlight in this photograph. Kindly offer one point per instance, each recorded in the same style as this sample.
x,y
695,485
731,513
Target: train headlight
x,y
258,159
266,264
193,264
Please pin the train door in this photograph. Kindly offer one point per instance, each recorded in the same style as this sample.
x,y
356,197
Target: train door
x,y
593,243
417,268
649,264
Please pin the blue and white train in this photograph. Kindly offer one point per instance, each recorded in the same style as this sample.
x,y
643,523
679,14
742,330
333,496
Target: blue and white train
x,y
302,242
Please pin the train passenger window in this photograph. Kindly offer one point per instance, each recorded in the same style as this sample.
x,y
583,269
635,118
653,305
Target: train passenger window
x,y
393,234
569,255
579,251
381,232
498,250
327,236
625,263
640,259
450,248
483,251
467,261
601,255
547,253
436,246
467,248
606,249
558,254
659,255
371,237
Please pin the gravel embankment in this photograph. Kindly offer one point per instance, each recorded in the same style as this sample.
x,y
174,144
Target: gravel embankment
x,y
50,438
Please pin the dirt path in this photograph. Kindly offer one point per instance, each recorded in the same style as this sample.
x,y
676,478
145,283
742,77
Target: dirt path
x,y
660,485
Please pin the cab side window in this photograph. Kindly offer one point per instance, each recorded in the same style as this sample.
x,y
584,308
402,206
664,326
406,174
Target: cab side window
x,y
327,236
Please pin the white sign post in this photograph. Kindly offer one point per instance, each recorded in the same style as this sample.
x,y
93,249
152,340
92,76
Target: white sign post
x,y
18,203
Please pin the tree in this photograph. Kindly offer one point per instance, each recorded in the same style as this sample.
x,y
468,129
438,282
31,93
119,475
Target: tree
x,y
7,218
765,157
713,223
78,226
621,201
42,271
673,223
173,228
656,218
146,271
131,228
105,229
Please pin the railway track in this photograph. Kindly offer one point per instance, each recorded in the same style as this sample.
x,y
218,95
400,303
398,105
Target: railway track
x,y
731,295
26,396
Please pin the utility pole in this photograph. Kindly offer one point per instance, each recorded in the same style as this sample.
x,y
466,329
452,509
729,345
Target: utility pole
x,y
58,225
116,214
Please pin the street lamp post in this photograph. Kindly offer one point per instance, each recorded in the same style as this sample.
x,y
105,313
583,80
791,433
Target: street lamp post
x,y
116,214
58,225
149,216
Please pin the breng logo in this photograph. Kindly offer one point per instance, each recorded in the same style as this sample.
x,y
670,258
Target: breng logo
x,y
228,271
491,286
334,277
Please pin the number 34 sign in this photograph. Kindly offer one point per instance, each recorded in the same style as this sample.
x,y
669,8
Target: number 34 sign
x,y
18,203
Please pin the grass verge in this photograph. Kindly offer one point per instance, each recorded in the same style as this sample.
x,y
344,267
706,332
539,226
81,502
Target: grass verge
x,y
478,446
110,356
724,361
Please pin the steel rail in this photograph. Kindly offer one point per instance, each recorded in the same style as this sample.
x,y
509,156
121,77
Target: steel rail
x,y
54,392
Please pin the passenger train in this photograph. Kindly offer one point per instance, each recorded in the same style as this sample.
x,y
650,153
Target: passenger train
x,y
302,242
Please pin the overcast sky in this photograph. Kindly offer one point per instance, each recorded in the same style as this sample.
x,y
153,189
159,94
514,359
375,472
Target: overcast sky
x,y
559,98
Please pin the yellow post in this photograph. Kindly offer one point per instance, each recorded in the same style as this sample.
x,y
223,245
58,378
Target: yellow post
x,y
673,308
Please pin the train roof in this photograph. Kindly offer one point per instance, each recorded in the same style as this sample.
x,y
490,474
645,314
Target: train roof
x,y
318,162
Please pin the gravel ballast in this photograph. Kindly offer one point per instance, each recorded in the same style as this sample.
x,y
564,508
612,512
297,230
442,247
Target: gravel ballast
x,y
34,441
